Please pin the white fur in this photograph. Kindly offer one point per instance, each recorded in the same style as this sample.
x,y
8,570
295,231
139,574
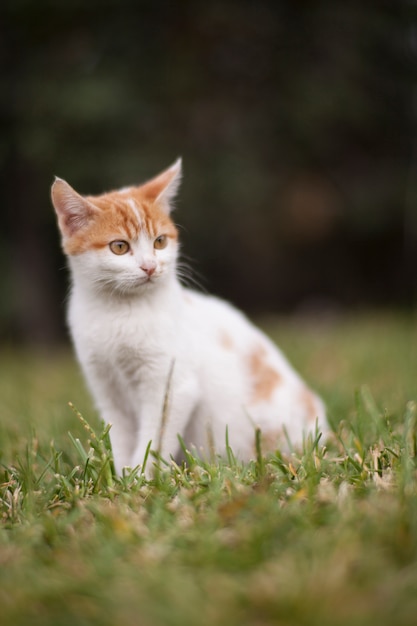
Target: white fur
x,y
143,339
135,210
128,333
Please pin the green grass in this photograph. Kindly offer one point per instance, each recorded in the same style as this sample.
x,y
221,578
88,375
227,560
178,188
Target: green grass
x,y
325,536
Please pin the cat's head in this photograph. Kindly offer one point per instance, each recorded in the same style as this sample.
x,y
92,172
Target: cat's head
x,y
123,241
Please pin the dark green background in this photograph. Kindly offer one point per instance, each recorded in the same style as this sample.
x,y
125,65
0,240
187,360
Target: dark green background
x,y
296,121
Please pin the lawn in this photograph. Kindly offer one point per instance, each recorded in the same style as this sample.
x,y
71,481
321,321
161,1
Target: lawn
x,y
326,536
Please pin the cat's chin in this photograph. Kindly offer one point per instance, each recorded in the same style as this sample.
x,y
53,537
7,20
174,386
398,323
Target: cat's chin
x,y
135,288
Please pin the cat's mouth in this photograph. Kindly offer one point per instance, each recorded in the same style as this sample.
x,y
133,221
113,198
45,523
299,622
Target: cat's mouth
x,y
136,284
148,279
145,280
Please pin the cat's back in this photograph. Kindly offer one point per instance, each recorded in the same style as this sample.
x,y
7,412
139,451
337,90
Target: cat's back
x,y
212,312
229,335
217,318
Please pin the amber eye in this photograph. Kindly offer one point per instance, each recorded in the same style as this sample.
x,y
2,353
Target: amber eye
x,y
160,242
119,247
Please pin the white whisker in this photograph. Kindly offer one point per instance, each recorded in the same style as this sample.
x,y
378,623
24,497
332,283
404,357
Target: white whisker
x,y
187,276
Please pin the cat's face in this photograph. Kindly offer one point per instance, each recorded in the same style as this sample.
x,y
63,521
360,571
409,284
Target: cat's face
x,y
124,241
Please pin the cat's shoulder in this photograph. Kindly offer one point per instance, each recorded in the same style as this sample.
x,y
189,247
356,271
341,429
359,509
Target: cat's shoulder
x,y
213,308
209,301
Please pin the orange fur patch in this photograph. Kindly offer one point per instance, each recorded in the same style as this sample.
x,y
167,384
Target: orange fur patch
x,y
264,377
226,341
308,401
116,218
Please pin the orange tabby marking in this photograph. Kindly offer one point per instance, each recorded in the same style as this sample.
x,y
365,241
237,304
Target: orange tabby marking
x,y
118,218
265,378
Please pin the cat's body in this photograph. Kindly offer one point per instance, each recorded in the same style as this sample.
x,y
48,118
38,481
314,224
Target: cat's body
x,y
144,341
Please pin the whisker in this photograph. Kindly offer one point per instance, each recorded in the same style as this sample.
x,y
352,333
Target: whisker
x,y
185,274
188,275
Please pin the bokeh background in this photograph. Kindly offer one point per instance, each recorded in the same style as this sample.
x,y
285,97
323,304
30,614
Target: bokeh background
x,y
296,122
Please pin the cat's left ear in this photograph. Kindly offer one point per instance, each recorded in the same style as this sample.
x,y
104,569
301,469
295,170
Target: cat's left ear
x,y
162,189
73,211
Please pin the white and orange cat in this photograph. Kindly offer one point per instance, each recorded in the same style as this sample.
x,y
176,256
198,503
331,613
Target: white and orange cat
x,y
136,328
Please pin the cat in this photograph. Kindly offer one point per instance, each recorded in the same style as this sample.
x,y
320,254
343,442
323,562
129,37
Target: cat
x,y
162,360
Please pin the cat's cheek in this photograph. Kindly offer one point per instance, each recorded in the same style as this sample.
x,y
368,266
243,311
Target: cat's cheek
x,y
87,263
167,256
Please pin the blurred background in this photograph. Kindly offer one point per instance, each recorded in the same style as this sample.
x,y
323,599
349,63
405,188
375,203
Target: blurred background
x,y
296,122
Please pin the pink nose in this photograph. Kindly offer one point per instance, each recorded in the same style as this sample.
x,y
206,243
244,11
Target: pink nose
x,y
148,268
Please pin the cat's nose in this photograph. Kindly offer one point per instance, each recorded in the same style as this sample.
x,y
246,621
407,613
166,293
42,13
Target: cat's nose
x,y
148,267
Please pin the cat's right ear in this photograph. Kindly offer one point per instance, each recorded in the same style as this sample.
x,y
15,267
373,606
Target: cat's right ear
x,y
163,188
73,211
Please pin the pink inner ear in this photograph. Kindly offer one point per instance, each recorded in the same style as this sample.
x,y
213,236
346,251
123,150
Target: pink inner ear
x,y
163,188
76,221
74,212
151,190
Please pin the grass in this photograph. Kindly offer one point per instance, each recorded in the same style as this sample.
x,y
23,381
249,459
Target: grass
x,y
324,536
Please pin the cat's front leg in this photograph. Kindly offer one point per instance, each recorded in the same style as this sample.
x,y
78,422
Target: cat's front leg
x,y
161,426
122,434
122,438
115,411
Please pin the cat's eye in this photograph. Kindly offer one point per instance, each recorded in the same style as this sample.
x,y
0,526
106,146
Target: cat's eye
x,y
160,242
119,247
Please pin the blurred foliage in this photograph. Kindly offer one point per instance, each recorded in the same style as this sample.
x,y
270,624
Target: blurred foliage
x,y
296,122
